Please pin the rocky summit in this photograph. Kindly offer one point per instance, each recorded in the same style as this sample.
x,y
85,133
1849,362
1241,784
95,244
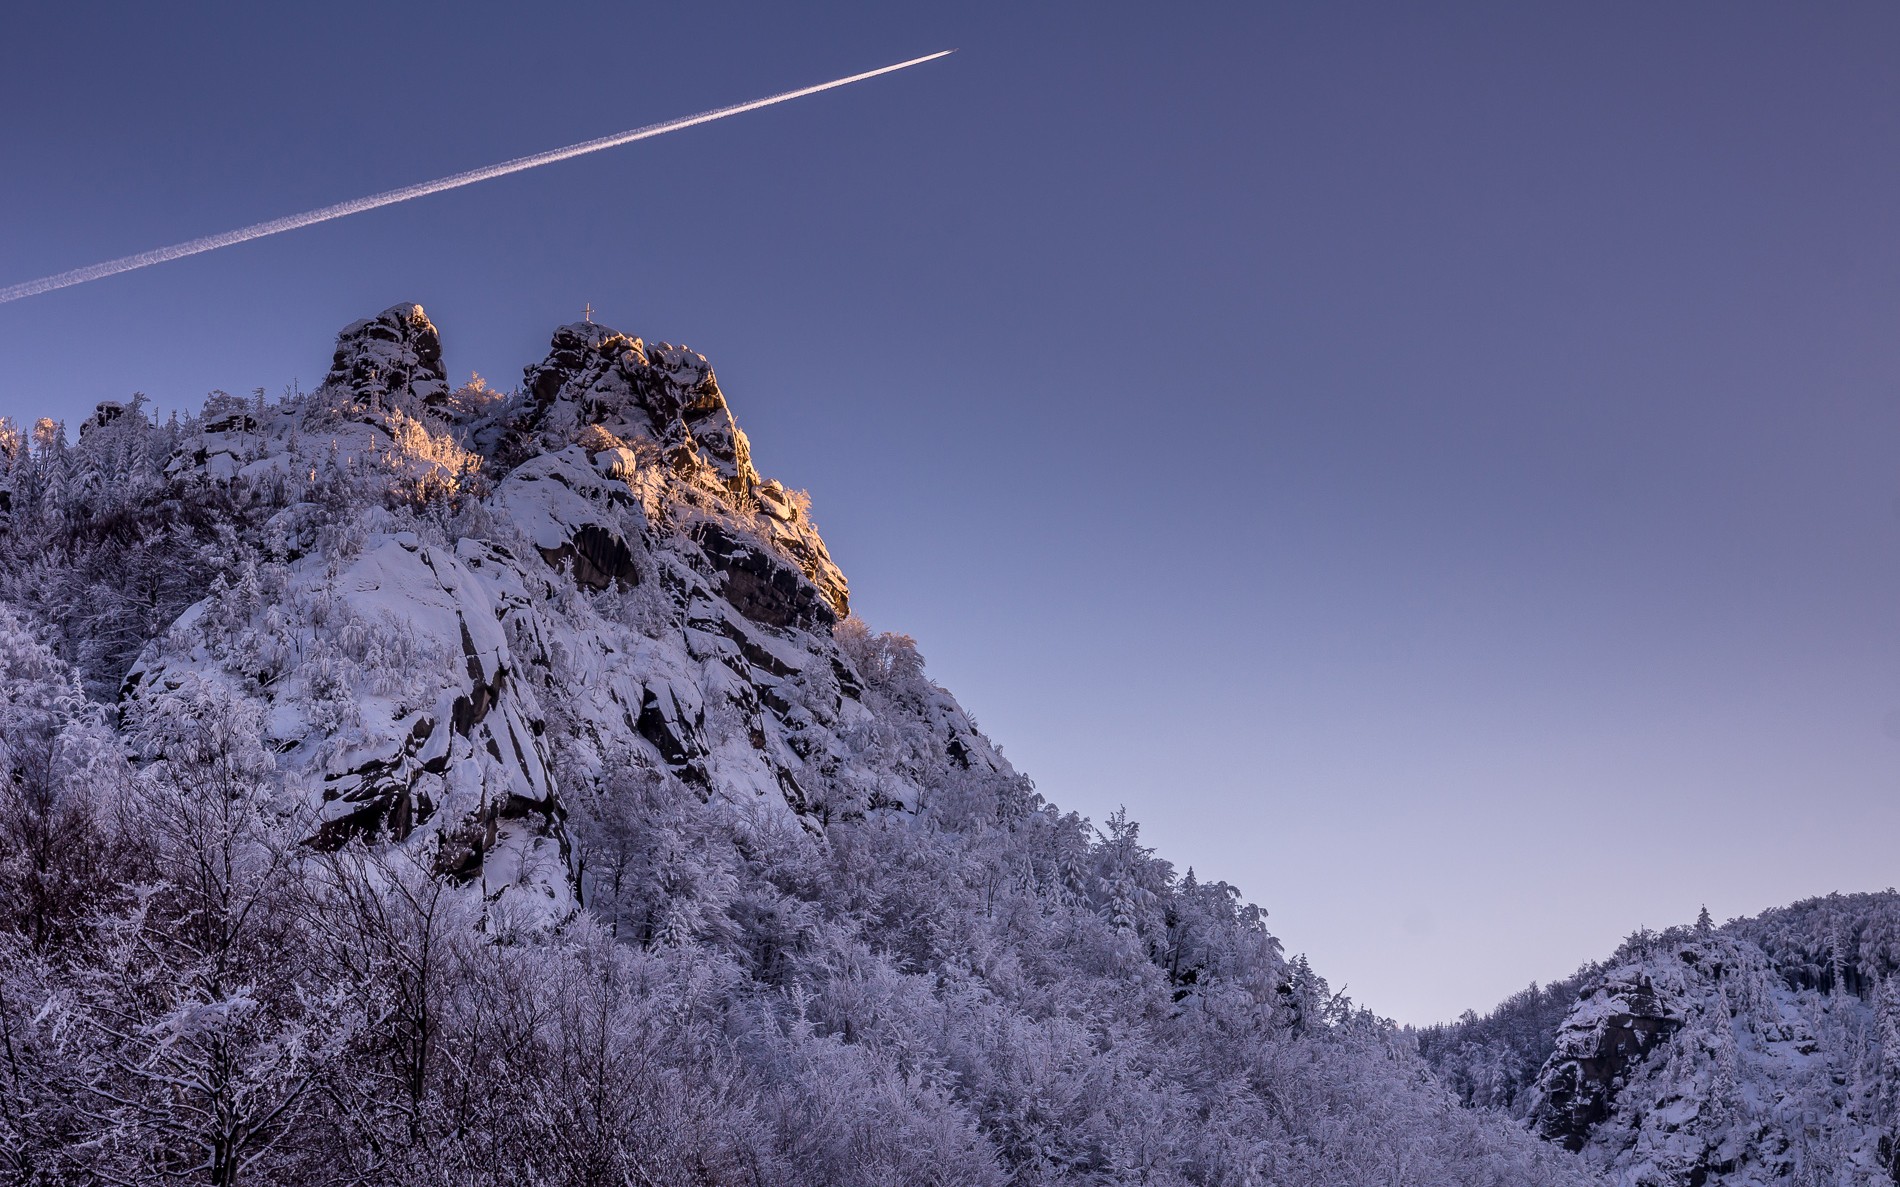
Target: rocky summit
x,y
420,688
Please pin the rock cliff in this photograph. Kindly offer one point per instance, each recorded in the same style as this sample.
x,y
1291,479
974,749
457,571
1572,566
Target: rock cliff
x,y
638,598
1764,1051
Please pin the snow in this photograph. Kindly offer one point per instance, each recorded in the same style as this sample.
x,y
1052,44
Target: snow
x,y
828,934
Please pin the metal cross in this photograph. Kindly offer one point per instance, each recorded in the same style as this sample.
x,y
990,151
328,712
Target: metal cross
x,y
588,313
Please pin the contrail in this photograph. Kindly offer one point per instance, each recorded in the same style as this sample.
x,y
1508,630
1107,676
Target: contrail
x,y
146,259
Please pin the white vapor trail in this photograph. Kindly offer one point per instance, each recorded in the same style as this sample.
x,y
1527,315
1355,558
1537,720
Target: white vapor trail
x,y
146,259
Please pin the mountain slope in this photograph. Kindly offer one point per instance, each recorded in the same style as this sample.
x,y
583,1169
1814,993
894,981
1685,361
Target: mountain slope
x,y
1765,1051
410,784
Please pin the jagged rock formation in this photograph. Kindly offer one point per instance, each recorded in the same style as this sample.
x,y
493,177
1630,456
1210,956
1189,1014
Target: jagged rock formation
x,y
424,690
1618,1021
1766,1051
394,356
602,390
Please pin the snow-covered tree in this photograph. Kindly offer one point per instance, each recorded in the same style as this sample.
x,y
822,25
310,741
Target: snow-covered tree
x,y
400,786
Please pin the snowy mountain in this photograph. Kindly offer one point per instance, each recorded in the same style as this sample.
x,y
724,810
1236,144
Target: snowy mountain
x,y
406,783
632,576
1766,1051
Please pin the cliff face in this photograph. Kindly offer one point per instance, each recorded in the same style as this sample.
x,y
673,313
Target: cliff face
x,y
636,596
1692,1061
1765,1051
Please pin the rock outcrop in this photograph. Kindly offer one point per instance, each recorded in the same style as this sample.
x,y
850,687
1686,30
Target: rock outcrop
x,y
1612,1028
638,597
596,378
393,359
1693,1060
603,390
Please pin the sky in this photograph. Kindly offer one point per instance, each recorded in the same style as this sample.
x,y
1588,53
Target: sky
x,y
1435,468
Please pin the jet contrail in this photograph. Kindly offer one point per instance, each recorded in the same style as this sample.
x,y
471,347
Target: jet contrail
x,y
146,259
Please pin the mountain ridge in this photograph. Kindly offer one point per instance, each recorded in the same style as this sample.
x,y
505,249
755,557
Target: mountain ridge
x,y
411,783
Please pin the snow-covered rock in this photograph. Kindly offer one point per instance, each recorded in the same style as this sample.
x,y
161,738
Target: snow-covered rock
x,y
1763,1052
603,390
393,358
639,595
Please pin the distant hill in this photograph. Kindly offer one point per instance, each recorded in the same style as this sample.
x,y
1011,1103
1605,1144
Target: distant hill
x,y
1764,1051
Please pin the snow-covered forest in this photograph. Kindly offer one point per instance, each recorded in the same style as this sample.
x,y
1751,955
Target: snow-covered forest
x,y
1763,1051
411,784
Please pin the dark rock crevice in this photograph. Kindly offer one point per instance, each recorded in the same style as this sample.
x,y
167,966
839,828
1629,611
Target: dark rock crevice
x,y
598,557
759,585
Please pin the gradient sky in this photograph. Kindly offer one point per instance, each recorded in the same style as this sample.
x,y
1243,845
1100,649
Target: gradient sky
x,y
1436,469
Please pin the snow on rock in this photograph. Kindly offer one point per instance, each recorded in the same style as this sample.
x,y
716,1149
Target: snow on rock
x,y
1694,1057
392,358
382,419
602,390
386,687
571,512
636,597
598,378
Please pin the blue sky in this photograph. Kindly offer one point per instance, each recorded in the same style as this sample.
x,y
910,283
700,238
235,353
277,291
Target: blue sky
x,y
1435,468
